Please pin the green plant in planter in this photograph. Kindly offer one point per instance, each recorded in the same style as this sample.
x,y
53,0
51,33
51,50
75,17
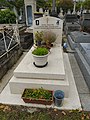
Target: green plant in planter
x,y
39,93
40,51
38,38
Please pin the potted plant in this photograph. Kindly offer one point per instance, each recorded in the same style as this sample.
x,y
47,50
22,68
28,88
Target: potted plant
x,y
38,38
38,96
49,37
45,39
40,55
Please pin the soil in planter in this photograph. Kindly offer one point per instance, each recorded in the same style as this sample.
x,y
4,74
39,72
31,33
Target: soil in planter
x,y
38,96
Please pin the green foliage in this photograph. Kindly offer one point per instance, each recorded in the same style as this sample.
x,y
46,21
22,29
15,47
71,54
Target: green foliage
x,y
48,4
40,51
78,5
18,4
86,4
39,93
39,36
65,4
41,3
7,17
10,4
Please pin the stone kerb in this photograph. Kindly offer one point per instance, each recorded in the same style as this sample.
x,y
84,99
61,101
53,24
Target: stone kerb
x,y
47,23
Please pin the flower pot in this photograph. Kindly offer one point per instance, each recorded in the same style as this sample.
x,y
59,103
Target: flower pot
x,y
37,101
58,98
40,61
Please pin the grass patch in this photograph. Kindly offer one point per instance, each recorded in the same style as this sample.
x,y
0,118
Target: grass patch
x,y
10,112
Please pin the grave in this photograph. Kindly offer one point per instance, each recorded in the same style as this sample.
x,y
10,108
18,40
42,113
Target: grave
x,y
83,58
78,37
71,23
51,77
57,75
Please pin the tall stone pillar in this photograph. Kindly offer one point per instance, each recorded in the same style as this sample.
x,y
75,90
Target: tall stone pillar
x,y
30,8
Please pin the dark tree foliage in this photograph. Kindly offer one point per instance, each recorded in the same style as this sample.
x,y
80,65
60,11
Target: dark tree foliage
x,y
7,17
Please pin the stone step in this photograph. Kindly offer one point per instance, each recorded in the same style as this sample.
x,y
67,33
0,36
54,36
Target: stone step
x,y
17,85
54,69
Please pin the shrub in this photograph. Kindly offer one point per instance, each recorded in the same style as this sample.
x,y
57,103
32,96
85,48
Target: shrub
x,y
7,17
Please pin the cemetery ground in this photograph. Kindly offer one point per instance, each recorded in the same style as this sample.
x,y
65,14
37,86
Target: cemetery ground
x,y
10,112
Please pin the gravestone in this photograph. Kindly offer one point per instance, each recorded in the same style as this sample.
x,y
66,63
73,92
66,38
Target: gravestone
x,y
48,23
71,23
61,14
40,10
69,12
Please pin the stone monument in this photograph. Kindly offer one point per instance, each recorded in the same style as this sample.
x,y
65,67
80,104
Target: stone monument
x,y
30,8
47,23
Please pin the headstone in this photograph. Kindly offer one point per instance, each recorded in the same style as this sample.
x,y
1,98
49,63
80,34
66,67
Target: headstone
x,y
40,10
86,16
48,23
71,23
61,14
69,12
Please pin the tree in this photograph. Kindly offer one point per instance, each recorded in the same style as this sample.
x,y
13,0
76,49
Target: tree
x,y
7,16
18,4
86,4
78,5
41,4
65,4
11,3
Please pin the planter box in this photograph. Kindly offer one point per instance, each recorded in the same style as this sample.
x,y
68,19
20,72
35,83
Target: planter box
x,y
37,101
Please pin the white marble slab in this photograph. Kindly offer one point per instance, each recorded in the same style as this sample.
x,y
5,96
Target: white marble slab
x,y
54,70
72,102
17,85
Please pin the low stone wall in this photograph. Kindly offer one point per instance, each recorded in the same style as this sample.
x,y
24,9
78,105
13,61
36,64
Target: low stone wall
x,y
8,60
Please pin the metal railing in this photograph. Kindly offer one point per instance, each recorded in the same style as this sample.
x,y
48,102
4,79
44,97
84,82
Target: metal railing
x,y
10,38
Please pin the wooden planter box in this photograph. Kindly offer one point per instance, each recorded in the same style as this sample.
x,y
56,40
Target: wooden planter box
x,y
37,101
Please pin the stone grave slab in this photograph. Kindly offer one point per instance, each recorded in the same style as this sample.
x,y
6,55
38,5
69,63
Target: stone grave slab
x,y
83,58
78,37
54,70
85,50
72,102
